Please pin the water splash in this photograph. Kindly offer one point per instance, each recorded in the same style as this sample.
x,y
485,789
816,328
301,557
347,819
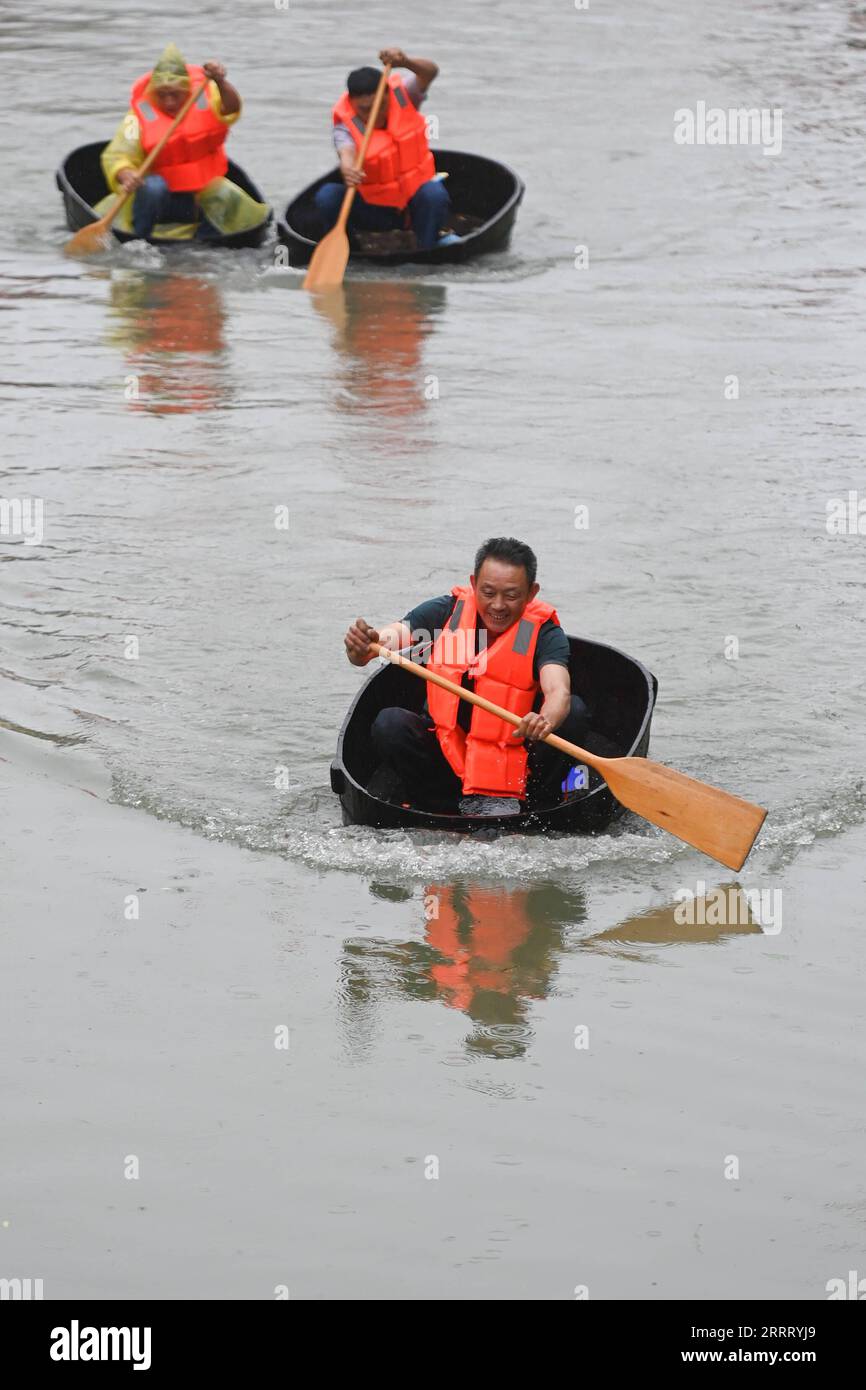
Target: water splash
x,y
306,830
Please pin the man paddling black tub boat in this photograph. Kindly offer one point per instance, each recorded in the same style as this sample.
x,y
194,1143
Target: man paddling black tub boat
x,y
186,194
398,184
496,637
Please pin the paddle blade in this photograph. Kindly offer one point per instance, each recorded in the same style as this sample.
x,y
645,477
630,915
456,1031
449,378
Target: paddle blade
x,y
723,826
89,240
328,264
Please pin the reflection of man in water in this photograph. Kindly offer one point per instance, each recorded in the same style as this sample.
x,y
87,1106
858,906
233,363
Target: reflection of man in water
x,y
172,330
487,952
367,314
475,933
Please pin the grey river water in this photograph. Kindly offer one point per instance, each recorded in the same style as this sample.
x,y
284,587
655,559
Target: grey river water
x,y
163,405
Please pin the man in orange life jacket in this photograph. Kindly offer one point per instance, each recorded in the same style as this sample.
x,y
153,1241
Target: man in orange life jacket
x,y
496,637
399,173
195,154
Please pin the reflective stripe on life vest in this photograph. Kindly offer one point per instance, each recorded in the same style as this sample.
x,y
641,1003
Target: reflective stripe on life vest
x,y
195,154
398,158
488,759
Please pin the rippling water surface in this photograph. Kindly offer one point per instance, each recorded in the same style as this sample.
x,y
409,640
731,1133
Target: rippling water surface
x,y
163,405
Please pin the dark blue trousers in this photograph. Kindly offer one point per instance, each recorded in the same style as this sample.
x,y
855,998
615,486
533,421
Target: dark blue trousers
x,y
154,202
407,744
428,211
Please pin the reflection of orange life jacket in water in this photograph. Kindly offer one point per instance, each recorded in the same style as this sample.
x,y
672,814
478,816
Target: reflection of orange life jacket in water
x,y
175,338
495,923
488,759
195,154
398,158
395,313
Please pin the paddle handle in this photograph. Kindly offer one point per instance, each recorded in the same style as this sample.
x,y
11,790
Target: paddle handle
x,y
580,754
154,154
362,153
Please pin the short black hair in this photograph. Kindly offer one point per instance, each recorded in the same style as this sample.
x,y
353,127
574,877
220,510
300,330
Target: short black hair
x,y
511,552
362,82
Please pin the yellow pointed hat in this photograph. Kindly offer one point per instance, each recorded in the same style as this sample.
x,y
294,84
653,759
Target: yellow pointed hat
x,y
170,69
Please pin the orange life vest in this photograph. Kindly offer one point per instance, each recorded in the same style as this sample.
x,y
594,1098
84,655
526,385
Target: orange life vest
x,y
488,759
398,158
195,154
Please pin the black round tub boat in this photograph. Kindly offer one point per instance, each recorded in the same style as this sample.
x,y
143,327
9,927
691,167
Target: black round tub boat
x,y
618,690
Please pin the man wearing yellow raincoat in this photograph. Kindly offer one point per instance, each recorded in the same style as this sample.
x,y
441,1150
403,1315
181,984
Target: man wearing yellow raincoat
x,y
186,193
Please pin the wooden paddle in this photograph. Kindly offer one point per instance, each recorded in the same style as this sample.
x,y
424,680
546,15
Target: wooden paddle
x,y
723,826
328,264
95,237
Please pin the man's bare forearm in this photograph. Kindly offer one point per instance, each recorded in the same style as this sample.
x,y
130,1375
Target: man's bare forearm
x,y
424,69
556,707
